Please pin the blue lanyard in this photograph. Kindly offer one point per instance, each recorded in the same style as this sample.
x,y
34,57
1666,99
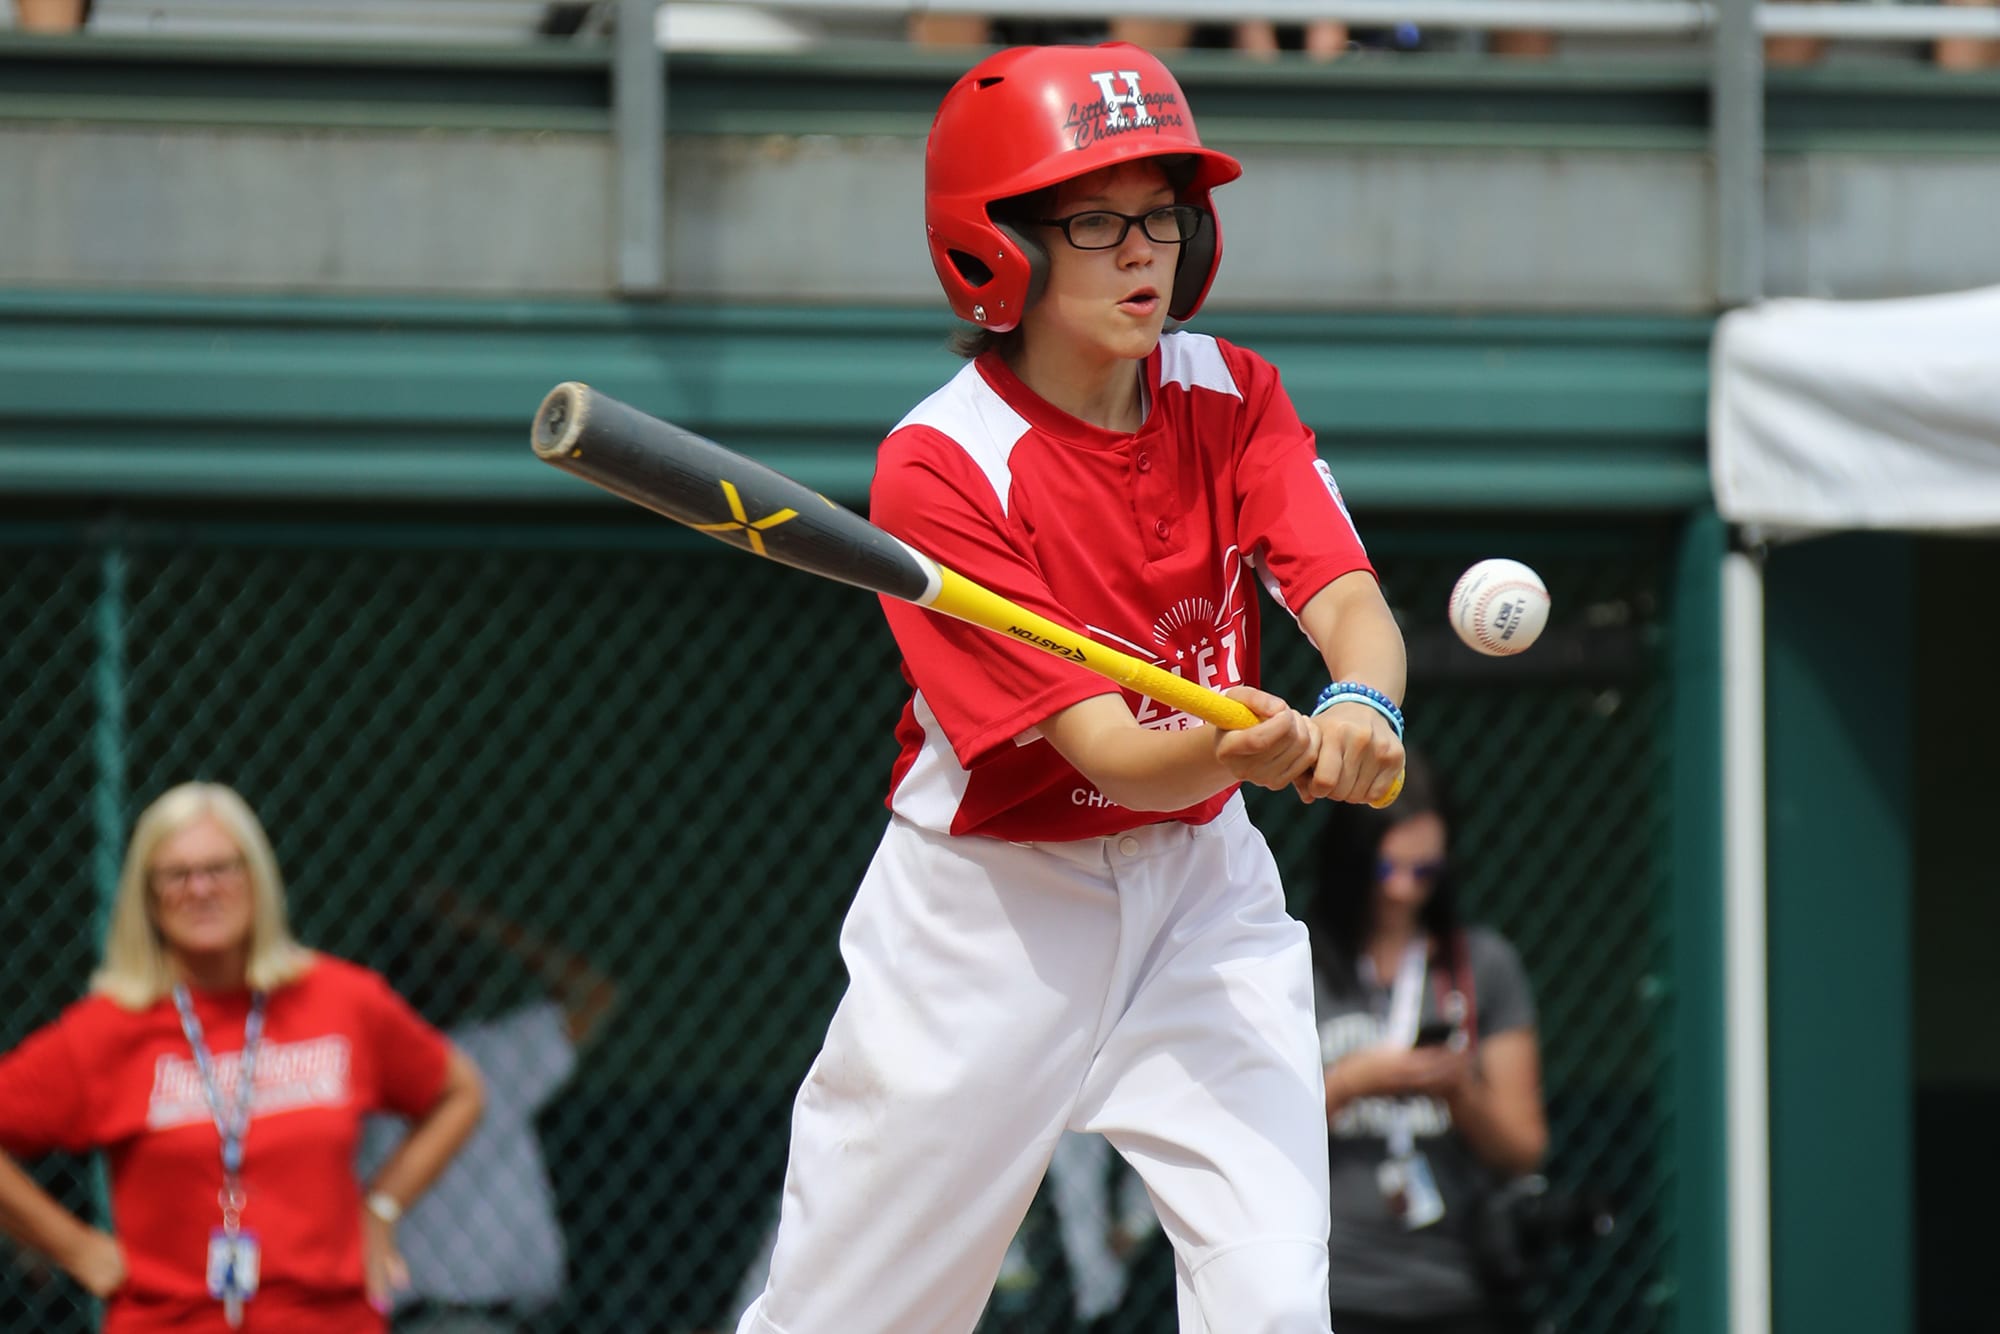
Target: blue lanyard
x,y
232,1122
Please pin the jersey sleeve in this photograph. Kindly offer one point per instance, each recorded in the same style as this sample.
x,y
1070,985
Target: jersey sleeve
x,y
985,689
408,1055
1506,1001
1290,510
44,1103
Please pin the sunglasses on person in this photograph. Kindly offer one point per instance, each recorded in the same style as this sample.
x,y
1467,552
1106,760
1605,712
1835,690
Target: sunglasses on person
x,y
1424,872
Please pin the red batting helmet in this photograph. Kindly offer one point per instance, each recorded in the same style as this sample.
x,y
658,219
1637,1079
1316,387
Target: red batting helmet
x,y
1029,118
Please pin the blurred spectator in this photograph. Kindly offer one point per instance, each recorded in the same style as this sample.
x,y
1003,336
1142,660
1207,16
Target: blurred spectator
x,y
1153,34
566,18
1521,43
1967,53
1949,53
1433,1073
207,1021
1322,40
1789,51
485,1247
950,29
51,15
976,30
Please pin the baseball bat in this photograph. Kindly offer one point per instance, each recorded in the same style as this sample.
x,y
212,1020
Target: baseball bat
x,y
694,481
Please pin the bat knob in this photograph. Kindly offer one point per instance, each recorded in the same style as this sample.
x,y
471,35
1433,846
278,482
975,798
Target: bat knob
x,y
559,422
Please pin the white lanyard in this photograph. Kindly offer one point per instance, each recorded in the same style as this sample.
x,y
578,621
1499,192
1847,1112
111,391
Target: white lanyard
x,y
1406,996
1399,1029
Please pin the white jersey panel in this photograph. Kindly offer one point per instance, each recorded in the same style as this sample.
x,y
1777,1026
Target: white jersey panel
x,y
930,792
1195,361
978,421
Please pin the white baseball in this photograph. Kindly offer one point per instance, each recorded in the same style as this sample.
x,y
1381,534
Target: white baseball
x,y
1499,607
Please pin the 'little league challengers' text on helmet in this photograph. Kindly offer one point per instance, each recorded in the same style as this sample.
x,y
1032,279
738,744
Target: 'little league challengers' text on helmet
x,y
1031,117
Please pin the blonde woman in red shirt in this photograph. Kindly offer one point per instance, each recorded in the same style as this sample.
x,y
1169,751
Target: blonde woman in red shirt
x,y
231,1213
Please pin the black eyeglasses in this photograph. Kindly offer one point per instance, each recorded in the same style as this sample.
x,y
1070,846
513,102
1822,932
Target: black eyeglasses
x,y
1102,229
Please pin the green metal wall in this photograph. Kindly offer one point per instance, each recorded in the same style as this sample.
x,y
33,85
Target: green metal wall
x,y
148,397
1701,1276
1954,923
1840,627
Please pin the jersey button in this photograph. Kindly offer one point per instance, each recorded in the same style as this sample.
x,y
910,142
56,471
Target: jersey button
x,y
1162,527
1129,846
1145,463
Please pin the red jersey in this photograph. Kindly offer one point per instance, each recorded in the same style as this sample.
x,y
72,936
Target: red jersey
x,y
1145,542
338,1043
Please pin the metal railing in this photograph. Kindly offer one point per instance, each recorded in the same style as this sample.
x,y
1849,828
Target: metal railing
x,y
337,20
1669,18
473,20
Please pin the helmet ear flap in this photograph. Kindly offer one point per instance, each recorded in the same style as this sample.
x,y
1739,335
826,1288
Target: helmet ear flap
x,y
1038,261
1197,266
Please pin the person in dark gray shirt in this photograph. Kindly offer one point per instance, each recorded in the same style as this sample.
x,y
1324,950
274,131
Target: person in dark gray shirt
x,y
1433,1073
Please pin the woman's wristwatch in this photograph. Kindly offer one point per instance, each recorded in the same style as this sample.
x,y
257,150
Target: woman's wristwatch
x,y
383,1205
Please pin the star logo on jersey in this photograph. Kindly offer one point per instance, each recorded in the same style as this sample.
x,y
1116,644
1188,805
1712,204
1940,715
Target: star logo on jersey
x,y
741,524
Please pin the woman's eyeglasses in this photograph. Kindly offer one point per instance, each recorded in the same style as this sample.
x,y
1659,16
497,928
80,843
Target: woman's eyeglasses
x,y
1426,872
176,879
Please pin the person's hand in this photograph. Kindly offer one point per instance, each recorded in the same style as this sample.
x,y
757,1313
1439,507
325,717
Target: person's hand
x,y
97,1263
1274,752
382,1263
1403,1072
1359,756
1437,1072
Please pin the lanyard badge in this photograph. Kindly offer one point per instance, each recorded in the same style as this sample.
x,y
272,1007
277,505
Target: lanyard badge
x,y
234,1257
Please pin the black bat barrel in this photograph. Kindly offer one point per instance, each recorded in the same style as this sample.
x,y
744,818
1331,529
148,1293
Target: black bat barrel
x,y
694,481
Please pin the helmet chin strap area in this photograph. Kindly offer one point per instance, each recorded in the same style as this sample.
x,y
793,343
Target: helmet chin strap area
x,y
1191,274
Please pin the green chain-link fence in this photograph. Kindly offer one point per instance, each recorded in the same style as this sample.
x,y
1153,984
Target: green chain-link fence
x,y
666,760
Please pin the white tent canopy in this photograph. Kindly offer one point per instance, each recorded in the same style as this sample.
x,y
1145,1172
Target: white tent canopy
x,y
1823,416
1831,415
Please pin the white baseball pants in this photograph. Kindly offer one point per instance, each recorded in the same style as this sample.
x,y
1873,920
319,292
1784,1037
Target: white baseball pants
x,y
1149,987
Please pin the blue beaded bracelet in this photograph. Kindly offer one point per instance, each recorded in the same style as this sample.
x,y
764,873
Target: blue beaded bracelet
x,y
1353,692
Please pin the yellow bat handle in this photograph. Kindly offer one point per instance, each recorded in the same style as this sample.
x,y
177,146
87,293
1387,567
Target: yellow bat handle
x,y
961,598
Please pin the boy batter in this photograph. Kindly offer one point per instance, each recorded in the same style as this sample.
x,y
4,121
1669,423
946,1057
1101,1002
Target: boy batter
x,y
1070,922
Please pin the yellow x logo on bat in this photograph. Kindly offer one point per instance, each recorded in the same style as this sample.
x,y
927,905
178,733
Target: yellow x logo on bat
x,y
752,531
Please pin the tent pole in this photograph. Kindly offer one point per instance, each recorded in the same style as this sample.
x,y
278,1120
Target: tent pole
x,y
1745,955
